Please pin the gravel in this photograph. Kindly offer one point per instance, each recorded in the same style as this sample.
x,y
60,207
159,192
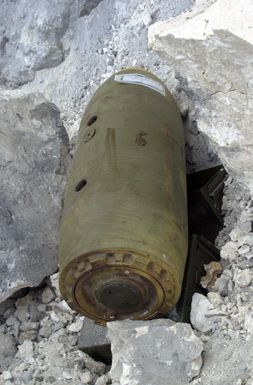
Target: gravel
x,y
225,322
45,351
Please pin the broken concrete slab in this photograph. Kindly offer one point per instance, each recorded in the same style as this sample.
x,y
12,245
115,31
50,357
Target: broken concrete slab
x,y
151,352
211,49
33,161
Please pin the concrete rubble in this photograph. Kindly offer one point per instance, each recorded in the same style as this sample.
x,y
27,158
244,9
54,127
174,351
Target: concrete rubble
x,y
224,318
33,162
151,352
38,342
211,47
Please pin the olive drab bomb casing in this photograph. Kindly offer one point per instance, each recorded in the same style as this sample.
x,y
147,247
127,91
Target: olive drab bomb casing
x,y
123,233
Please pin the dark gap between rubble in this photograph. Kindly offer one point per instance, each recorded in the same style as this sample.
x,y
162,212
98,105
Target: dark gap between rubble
x,y
205,221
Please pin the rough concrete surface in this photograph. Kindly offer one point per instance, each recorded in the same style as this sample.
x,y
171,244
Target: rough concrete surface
x,y
31,36
211,48
153,352
34,152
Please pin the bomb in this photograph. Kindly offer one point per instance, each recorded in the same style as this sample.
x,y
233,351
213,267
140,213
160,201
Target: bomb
x,y
123,233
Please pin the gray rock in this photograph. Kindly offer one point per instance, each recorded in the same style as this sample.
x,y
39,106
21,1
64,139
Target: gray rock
x,y
54,317
64,307
36,44
92,365
243,277
246,240
30,335
57,326
35,314
8,383
46,327
3,328
27,376
86,377
154,352
25,350
22,314
63,338
65,316
229,251
14,324
9,313
33,159
215,299
224,283
22,307
67,339
41,308
102,380
93,339
244,249
241,230
249,256
7,350
72,340
199,309
54,280
88,6
7,308
67,375
248,322
146,19
76,326
47,295
198,45
50,379
6,375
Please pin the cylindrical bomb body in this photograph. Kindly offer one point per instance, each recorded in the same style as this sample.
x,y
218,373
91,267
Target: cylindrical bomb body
x,y
123,234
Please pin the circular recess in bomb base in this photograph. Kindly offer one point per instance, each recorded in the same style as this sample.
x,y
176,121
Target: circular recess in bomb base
x,y
109,293
119,296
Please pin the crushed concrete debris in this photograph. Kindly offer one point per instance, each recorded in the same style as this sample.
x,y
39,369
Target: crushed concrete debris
x,y
40,346
225,317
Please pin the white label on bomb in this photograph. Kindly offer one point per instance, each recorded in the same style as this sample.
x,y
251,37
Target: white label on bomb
x,y
141,80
